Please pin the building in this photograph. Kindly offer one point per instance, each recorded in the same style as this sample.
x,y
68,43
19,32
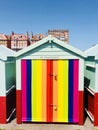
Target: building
x,y
37,37
19,41
50,83
62,35
5,40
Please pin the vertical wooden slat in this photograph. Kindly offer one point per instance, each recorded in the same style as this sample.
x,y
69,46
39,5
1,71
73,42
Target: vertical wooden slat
x,y
28,65
44,89
33,91
19,106
49,91
38,90
55,91
60,91
65,90
70,95
75,92
23,84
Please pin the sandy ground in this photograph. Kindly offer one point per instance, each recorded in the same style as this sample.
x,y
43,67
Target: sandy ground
x,y
88,125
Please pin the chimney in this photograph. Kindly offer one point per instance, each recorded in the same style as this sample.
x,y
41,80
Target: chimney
x,y
12,33
67,36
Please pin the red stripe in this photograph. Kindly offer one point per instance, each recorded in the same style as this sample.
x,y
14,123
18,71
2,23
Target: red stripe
x,y
49,91
96,109
81,107
3,110
18,106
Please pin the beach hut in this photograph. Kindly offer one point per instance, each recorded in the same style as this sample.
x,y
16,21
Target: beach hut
x,y
91,83
7,84
50,83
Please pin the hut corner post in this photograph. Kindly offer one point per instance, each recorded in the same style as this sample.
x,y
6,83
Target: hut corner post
x,y
18,93
81,107
81,92
18,107
96,110
96,97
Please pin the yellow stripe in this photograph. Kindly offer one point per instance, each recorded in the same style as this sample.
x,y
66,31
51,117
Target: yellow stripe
x,y
39,91
65,90
60,91
33,89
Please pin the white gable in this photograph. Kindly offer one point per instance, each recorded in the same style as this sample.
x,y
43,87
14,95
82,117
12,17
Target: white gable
x,y
48,47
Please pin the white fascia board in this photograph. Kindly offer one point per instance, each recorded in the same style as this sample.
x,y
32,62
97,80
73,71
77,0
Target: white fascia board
x,y
33,46
55,40
69,47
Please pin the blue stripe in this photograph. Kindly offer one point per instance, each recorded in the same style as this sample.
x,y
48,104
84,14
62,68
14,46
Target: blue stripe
x,y
70,92
28,62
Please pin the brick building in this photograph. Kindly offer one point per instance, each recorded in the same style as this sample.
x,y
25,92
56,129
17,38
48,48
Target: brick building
x,y
19,41
37,37
62,35
5,40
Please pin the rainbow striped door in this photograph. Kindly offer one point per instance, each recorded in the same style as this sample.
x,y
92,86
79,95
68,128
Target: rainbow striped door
x,y
50,90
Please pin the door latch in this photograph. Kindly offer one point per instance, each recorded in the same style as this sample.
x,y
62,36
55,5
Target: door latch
x,y
54,106
55,76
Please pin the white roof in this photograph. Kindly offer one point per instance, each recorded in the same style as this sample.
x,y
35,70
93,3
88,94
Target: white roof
x,y
49,39
93,51
6,52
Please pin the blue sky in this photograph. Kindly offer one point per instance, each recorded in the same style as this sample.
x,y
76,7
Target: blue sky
x,y
80,17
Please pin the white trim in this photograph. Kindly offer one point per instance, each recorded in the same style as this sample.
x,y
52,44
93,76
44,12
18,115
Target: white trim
x,y
24,50
96,78
2,79
92,119
69,47
50,57
90,91
8,119
18,75
9,90
45,40
96,57
92,66
81,74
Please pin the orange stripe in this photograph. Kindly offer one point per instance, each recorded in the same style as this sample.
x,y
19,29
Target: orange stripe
x,y
44,72
55,91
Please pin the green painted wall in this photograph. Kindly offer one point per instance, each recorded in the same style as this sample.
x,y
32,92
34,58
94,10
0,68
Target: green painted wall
x,y
10,70
89,73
